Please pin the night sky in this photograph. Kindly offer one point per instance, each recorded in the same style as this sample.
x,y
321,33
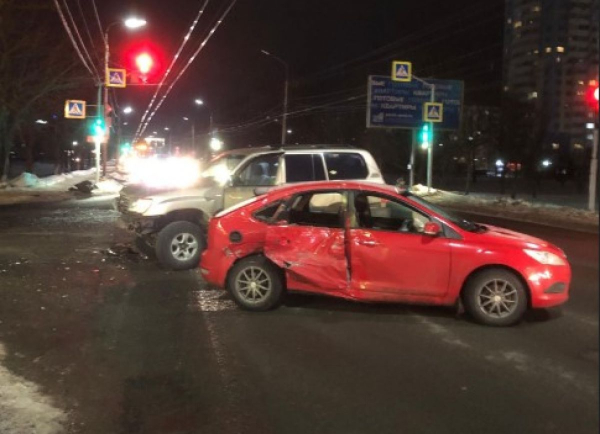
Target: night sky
x,y
330,45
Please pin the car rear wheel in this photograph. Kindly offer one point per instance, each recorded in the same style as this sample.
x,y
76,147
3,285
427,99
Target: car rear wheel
x,y
255,284
495,297
179,245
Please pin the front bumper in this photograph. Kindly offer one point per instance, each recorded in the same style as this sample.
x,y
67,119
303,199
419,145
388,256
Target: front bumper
x,y
138,223
549,285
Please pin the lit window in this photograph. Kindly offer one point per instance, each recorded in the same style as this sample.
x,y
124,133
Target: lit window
x,y
580,82
560,49
518,24
532,95
536,8
509,21
548,50
536,51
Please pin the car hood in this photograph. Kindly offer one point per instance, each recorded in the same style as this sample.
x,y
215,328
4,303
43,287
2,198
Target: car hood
x,y
139,191
495,234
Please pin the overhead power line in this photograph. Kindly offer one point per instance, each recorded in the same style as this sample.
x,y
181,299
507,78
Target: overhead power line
x,y
88,32
187,65
73,41
177,54
80,39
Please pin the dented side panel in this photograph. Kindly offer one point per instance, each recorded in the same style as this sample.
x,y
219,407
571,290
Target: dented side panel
x,y
314,259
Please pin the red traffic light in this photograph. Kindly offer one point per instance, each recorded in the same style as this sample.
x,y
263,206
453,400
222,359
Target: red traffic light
x,y
592,95
144,63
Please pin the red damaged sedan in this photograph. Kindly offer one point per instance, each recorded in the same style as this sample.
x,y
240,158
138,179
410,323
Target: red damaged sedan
x,y
373,243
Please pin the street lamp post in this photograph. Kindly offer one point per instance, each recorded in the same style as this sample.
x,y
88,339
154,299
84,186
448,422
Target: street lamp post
x,y
285,94
130,23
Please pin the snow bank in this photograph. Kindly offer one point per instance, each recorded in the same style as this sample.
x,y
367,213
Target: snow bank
x,y
23,408
516,209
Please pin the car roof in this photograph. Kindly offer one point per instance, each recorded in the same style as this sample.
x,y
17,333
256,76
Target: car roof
x,y
285,148
333,185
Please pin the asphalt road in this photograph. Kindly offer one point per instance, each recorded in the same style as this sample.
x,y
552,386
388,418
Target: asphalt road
x,y
92,342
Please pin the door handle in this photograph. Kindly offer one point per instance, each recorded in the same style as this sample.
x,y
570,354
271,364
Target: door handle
x,y
369,243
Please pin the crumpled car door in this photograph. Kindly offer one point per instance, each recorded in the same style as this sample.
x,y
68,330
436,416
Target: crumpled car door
x,y
314,258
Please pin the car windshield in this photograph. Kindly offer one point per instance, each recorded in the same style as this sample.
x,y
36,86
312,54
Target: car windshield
x,y
222,166
462,223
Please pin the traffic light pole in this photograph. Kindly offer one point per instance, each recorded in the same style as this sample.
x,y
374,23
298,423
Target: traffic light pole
x,y
430,148
593,173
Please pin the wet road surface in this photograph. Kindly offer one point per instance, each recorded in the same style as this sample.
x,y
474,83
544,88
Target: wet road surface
x,y
113,344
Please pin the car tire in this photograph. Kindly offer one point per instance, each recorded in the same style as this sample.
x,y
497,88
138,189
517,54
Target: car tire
x,y
179,245
143,245
495,297
256,284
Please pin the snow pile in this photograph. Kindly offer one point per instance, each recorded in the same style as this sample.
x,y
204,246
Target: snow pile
x,y
422,190
24,180
516,209
28,180
23,408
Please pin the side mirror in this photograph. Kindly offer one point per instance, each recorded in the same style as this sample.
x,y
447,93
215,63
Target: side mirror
x,y
259,191
432,229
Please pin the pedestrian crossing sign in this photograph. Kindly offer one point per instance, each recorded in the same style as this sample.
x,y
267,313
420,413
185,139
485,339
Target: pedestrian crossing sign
x,y
401,71
74,109
116,77
433,112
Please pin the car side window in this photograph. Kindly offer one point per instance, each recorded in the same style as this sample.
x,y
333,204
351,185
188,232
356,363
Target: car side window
x,y
304,167
345,165
382,213
324,209
268,213
259,171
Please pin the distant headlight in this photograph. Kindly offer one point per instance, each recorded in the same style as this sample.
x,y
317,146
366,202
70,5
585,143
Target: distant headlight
x,y
545,258
141,206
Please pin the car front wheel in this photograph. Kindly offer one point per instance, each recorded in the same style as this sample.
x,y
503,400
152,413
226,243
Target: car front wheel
x,y
255,284
495,297
179,245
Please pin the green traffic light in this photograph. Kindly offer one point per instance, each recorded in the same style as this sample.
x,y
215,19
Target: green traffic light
x,y
98,127
425,139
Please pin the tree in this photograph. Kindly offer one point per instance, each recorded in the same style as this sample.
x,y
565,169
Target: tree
x,y
34,67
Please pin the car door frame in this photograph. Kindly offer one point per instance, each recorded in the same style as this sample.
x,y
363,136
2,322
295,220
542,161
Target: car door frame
x,y
359,288
302,273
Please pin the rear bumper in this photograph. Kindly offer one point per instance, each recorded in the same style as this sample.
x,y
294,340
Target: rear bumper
x,y
549,285
214,266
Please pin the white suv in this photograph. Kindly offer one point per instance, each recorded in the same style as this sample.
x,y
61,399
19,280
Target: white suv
x,y
172,223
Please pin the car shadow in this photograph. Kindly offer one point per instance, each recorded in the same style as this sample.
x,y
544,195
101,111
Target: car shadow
x,y
317,302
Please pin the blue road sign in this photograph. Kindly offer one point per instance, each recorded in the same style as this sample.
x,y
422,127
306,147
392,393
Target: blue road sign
x,y
393,104
74,109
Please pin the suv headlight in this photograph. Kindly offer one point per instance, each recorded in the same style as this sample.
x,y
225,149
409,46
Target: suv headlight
x,y
545,258
140,206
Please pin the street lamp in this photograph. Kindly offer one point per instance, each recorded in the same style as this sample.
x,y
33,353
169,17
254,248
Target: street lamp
x,y
215,144
127,110
134,22
285,92
75,143
199,102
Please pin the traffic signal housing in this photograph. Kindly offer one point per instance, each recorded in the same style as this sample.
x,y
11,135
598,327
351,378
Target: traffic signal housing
x,y
592,95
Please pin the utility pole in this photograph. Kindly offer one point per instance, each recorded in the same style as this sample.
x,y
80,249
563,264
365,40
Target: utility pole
x,y
105,105
98,139
593,173
285,94
285,104
411,166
